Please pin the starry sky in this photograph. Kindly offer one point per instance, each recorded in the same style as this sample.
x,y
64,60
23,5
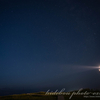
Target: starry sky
x,y
49,44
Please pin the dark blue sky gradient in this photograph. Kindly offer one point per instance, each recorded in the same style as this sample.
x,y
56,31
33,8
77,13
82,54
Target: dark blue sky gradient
x,y
47,44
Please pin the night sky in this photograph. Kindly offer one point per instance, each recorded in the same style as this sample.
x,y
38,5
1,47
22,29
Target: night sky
x,y
49,44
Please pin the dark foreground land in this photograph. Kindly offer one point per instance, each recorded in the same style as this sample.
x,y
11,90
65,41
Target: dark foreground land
x,y
42,96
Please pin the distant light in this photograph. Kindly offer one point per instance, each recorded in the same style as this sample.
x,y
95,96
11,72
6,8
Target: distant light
x,y
99,69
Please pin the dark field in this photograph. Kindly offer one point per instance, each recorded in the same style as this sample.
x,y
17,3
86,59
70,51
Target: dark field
x,y
42,96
